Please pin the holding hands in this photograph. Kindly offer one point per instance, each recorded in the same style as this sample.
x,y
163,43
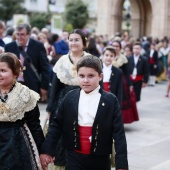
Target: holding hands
x,y
45,160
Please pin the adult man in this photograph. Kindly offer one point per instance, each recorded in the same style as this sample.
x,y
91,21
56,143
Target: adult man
x,y
139,70
36,53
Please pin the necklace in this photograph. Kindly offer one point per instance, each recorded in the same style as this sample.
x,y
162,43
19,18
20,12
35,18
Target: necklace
x,y
73,61
5,95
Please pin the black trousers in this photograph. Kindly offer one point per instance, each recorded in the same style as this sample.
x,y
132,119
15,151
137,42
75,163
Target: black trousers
x,y
137,89
78,161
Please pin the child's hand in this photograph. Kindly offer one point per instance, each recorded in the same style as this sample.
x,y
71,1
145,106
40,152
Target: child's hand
x,y
45,160
144,84
131,88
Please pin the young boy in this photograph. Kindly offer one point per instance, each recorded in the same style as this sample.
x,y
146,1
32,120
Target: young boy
x,y
89,119
112,76
139,70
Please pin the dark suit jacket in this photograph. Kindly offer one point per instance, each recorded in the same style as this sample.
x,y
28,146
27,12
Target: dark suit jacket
x,y
37,53
153,67
142,67
61,47
107,126
116,83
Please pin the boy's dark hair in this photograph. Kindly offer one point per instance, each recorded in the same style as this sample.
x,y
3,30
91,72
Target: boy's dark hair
x,y
137,43
110,48
91,62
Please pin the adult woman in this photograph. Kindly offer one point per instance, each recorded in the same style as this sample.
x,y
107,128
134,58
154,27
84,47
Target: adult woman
x,y
21,134
65,79
129,111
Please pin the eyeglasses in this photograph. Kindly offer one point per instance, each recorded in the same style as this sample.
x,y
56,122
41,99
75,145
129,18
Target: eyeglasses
x,y
21,34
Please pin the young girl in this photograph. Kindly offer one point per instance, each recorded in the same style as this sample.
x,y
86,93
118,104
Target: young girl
x,y
21,134
128,107
112,76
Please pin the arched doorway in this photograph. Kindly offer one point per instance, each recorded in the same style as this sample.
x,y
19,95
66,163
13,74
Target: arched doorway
x,y
141,17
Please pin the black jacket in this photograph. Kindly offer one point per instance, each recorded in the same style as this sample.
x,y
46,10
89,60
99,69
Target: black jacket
x,y
37,53
142,67
116,83
107,126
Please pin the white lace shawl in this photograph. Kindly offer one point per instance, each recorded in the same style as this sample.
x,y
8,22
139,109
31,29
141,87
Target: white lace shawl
x,y
66,71
20,100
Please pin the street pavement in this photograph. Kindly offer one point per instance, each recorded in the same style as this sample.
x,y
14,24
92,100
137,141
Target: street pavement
x,y
148,139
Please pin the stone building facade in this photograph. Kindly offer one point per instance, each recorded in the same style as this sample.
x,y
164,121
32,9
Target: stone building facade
x,y
148,17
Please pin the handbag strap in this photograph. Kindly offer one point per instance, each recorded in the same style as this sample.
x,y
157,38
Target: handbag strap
x,y
29,61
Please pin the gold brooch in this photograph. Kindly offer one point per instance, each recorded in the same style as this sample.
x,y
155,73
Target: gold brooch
x,y
3,108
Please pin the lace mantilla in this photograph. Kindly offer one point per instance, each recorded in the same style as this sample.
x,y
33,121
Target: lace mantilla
x,y
34,148
20,100
120,61
66,71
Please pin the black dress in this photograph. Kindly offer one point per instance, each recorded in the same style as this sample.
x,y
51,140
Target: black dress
x,y
16,147
57,99
20,139
128,107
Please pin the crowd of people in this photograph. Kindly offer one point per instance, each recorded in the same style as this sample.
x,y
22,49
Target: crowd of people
x,y
91,85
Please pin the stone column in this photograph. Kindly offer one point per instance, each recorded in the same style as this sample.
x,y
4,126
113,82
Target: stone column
x,y
160,20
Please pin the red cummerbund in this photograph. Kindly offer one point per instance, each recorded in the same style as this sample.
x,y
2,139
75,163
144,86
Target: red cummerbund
x,y
151,61
138,78
85,133
106,86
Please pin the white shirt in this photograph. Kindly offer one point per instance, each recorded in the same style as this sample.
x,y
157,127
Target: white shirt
x,y
88,105
134,73
136,58
107,70
151,53
164,51
7,39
